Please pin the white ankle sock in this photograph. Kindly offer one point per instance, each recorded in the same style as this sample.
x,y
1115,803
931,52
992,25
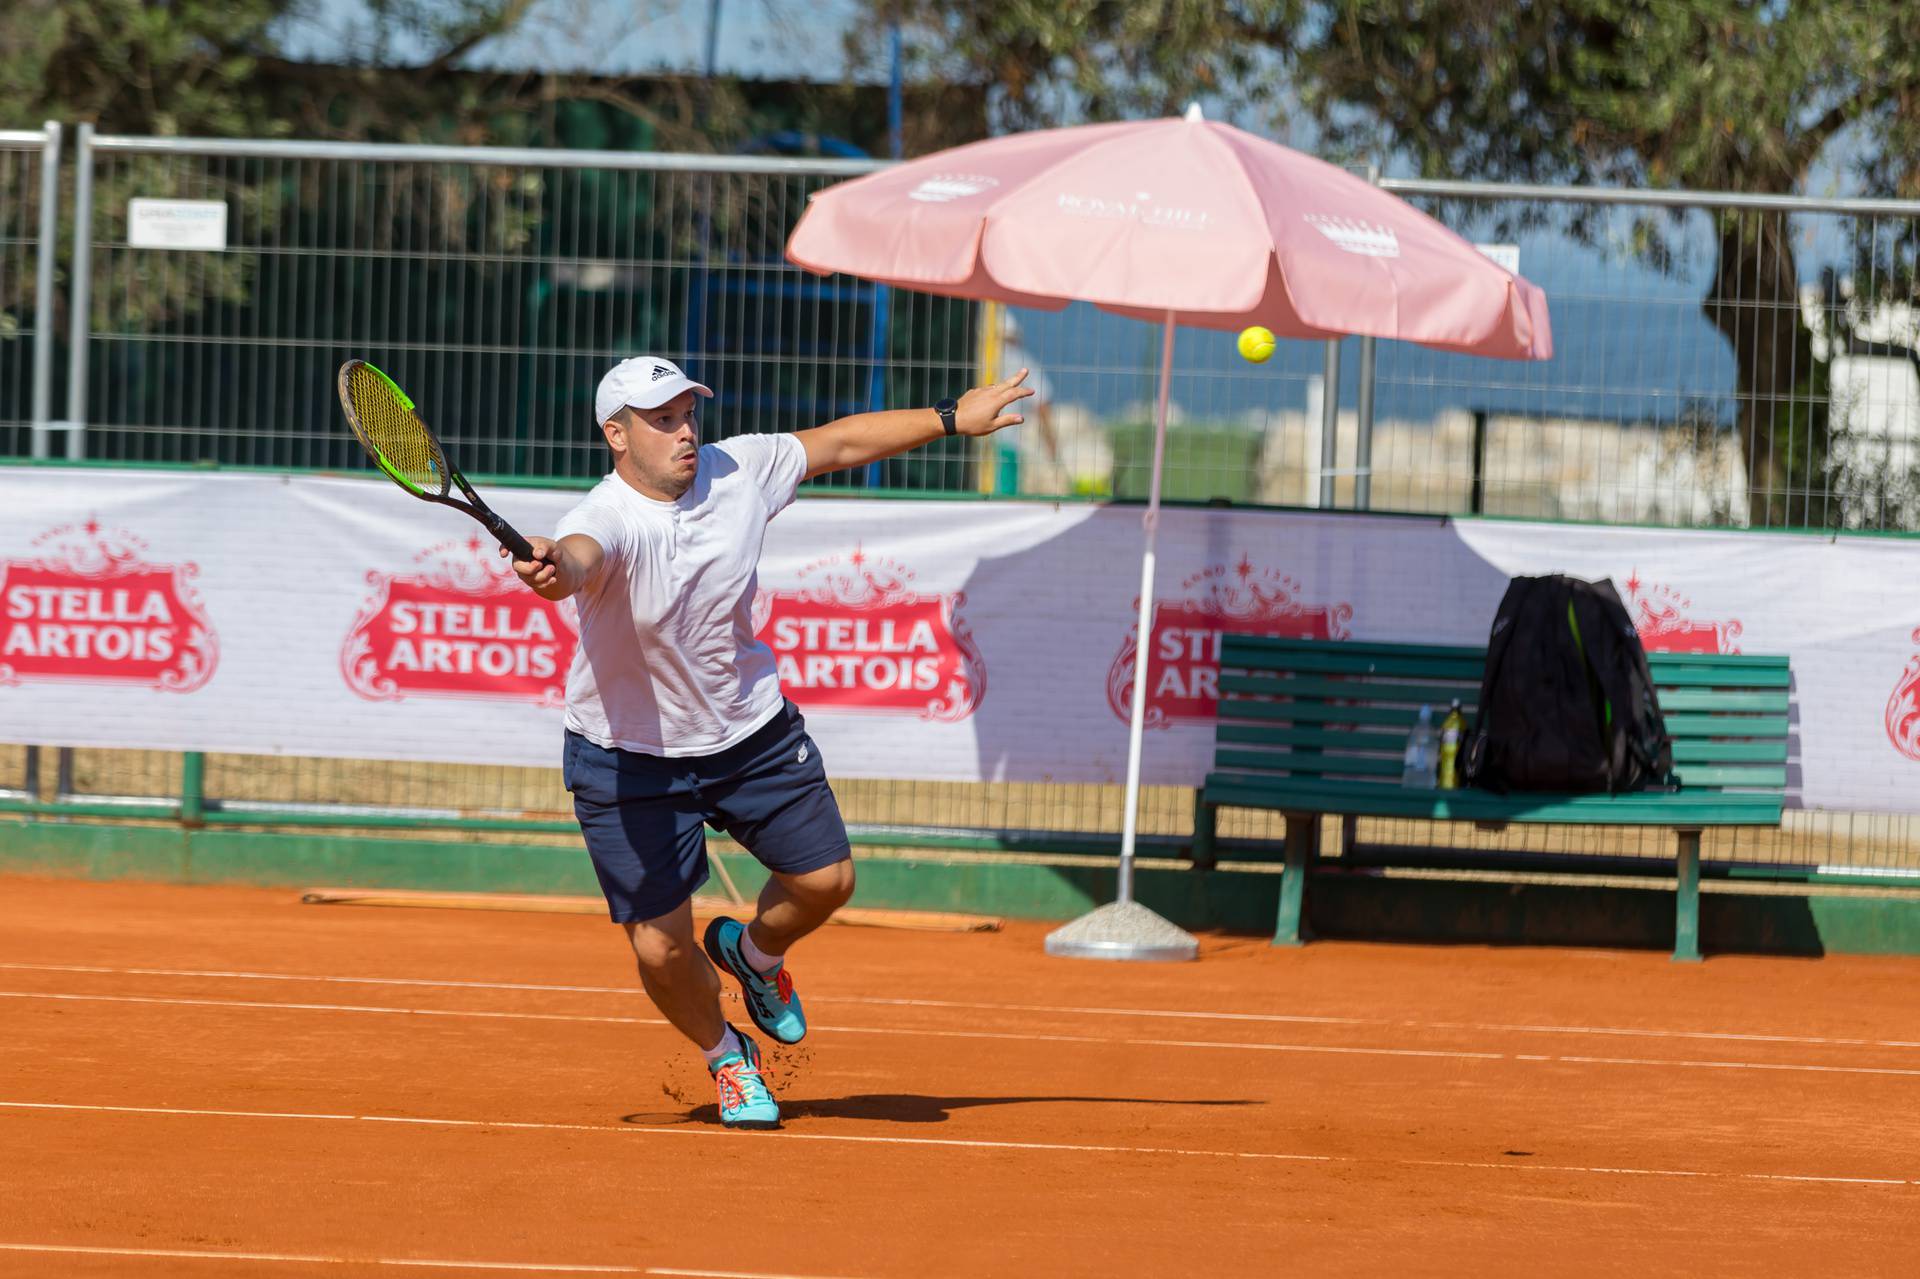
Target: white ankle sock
x,y
762,962
729,1043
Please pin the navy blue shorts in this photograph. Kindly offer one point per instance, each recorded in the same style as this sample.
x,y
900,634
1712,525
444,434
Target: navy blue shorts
x,y
645,816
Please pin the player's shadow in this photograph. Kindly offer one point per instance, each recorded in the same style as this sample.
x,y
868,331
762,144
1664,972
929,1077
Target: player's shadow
x,y
914,1108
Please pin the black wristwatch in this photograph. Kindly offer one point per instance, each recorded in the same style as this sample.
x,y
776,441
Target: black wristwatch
x,y
945,409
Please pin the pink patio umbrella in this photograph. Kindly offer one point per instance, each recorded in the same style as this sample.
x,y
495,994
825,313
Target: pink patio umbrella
x,y
1176,221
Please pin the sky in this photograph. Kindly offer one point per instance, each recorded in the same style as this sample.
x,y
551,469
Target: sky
x,y
761,39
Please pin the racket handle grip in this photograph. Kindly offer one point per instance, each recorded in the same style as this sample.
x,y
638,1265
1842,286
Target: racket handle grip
x,y
518,546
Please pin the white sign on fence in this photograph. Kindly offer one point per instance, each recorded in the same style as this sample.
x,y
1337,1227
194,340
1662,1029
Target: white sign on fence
x,y
308,615
176,224
1505,255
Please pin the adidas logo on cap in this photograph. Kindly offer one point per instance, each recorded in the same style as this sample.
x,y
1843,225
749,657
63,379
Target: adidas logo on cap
x,y
643,382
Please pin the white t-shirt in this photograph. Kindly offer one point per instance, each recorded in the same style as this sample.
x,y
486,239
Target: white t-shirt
x,y
667,663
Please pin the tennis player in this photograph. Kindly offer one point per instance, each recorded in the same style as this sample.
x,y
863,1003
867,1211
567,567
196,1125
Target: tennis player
x,y
675,718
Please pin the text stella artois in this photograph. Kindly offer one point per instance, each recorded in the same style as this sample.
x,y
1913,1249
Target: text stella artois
x,y
856,637
91,610
1183,671
464,628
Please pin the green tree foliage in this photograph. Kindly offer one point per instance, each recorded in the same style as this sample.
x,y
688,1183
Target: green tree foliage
x,y
135,66
217,68
1059,61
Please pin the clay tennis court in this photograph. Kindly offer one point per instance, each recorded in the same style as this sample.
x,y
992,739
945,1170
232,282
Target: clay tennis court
x,y
220,1081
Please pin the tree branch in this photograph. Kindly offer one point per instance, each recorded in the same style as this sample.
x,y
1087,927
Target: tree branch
x,y
504,20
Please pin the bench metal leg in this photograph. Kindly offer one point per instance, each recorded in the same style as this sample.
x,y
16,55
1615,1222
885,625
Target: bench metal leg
x,y
1686,929
1204,819
1301,828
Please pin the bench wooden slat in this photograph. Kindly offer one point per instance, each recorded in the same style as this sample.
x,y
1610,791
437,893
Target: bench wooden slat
x,y
1366,690
1236,645
1331,738
1694,775
1310,763
1680,726
1705,750
1670,676
1336,661
1322,713
1735,661
1373,799
1721,700
1344,763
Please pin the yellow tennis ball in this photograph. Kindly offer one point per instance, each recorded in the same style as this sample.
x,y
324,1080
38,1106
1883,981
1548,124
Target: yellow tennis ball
x,y
1256,344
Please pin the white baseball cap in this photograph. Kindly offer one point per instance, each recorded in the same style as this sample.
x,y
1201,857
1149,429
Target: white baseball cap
x,y
644,382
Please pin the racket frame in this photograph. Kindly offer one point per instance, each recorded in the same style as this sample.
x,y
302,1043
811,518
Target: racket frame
x,y
502,531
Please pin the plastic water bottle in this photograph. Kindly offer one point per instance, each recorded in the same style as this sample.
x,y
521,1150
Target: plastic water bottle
x,y
1453,730
1420,766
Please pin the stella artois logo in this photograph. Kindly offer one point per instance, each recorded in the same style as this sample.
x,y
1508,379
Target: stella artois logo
x,y
1183,675
91,608
464,626
1903,708
856,636
1662,617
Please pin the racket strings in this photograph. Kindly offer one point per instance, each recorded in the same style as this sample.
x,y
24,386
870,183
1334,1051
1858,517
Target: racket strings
x,y
387,424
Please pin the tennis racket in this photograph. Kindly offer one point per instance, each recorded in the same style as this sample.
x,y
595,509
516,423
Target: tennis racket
x,y
389,426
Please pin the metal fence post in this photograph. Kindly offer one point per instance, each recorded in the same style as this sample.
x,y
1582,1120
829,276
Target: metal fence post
x,y
80,300
1363,440
1477,496
1329,423
48,247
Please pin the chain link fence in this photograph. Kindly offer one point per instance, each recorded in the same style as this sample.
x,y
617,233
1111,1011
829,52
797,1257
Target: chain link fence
x,y
29,168
1720,361
496,287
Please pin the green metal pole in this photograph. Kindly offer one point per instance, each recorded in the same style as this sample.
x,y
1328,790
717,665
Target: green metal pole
x,y
1686,930
193,795
1293,880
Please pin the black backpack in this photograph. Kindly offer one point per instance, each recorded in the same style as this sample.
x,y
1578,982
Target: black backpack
x,y
1567,703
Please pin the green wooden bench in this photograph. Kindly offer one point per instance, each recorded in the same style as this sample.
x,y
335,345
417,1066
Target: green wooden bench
x,y
1315,727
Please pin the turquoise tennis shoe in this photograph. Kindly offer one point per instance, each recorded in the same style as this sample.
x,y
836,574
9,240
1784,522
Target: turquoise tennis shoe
x,y
770,998
744,1099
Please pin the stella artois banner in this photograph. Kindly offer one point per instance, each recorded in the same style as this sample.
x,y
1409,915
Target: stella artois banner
x,y
463,627
92,609
856,637
305,615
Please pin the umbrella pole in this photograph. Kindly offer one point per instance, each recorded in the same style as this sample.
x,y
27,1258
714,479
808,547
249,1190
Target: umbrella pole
x,y
1126,929
1143,647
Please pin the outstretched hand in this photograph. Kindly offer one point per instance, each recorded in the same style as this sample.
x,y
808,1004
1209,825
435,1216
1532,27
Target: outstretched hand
x,y
984,409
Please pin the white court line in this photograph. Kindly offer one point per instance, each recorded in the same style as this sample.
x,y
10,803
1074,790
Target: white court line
x,y
332,1008
905,1032
968,1006
960,1143
306,1259
309,1259
911,1033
